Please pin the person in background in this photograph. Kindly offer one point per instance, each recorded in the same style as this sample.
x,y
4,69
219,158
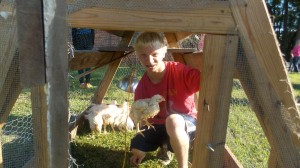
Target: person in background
x,y
175,124
295,53
83,39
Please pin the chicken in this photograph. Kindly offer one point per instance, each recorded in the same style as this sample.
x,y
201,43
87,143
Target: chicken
x,y
110,115
101,115
95,117
123,121
143,109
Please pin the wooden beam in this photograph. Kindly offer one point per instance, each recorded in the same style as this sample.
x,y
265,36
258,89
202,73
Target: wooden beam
x,y
194,60
270,79
110,72
273,160
56,87
214,100
32,57
174,38
230,161
39,113
94,58
90,59
214,17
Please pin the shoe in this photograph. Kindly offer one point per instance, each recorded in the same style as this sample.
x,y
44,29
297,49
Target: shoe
x,y
88,85
82,85
165,156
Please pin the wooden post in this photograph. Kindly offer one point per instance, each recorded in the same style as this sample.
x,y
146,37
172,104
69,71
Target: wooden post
x,y
39,111
31,56
56,83
214,100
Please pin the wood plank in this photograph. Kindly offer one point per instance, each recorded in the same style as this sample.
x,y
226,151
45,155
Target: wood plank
x,y
57,82
273,160
212,17
230,161
174,37
194,60
89,59
39,114
32,58
110,72
214,100
93,58
256,30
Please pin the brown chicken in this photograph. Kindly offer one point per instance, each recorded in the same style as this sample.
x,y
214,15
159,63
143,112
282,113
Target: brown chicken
x,y
143,109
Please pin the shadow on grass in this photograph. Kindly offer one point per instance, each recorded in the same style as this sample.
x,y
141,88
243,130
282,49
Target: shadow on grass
x,y
90,156
296,86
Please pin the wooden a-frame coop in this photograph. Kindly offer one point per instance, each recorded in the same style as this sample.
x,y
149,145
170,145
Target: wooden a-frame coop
x,y
228,24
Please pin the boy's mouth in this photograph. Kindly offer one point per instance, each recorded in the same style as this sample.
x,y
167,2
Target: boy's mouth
x,y
150,66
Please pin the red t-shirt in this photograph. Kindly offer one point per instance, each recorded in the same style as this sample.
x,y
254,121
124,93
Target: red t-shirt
x,y
296,51
178,86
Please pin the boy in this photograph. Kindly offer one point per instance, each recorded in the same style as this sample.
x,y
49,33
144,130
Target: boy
x,y
175,124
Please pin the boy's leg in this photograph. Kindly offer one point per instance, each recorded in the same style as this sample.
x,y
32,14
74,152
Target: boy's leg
x,y
149,141
181,130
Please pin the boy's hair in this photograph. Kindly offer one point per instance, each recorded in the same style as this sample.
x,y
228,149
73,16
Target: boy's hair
x,y
151,39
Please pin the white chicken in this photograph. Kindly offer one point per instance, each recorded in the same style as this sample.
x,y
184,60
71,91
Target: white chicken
x,y
143,109
94,117
109,115
101,115
123,121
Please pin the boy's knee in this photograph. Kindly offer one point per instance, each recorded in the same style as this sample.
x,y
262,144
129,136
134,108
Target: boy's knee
x,y
174,120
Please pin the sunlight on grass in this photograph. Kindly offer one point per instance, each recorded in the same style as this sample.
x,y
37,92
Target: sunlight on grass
x,y
245,136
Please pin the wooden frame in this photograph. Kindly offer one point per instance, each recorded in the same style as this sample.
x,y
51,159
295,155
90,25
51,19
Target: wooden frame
x,y
251,20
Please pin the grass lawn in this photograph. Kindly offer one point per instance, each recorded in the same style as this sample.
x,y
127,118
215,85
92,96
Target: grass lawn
x,y
94,150
244,135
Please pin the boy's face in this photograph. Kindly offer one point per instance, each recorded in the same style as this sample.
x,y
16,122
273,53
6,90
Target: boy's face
x,y
151,57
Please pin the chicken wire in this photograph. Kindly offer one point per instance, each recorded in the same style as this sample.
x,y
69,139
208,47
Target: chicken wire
x,y
16,141
16,135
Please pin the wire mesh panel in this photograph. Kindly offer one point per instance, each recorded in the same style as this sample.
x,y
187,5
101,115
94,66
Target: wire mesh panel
x,y
16,133
245,136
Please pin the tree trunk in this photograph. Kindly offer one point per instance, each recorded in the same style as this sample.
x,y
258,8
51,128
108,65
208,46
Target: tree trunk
x,y
284,42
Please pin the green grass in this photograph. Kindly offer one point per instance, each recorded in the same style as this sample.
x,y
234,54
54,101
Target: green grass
x,y
295,80
245,137
94,150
